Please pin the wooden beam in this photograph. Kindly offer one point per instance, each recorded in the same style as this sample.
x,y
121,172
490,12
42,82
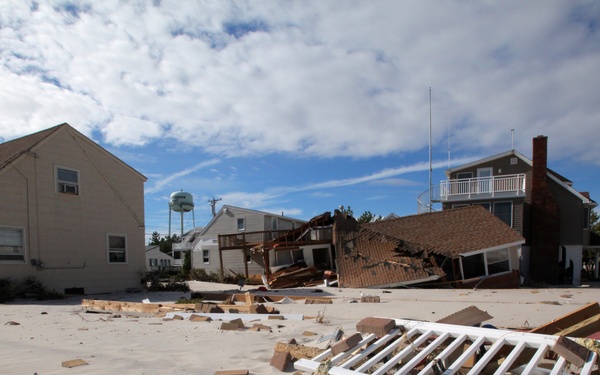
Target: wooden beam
x,y
571,319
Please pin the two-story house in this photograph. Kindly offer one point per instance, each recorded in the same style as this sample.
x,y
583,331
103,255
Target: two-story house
x,y
535,201
71,214
231,220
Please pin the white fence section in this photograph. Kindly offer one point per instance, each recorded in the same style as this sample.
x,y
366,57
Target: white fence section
x,y
421,348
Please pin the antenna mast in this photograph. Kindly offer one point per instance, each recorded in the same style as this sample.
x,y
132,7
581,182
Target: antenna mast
x,y
512,134
430,167
212,203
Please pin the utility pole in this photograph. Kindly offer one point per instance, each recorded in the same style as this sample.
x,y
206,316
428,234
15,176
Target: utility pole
x,y
212,203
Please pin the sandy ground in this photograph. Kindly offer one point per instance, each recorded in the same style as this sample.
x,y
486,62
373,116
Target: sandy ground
x,y
51,332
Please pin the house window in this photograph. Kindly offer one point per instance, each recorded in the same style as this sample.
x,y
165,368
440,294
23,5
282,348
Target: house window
x,y
485,205
503,211
241,223
117,248
497,261
464,175
153,262
485,264
586,218
459,205
274,223
248,255
67,181
206,256
12,244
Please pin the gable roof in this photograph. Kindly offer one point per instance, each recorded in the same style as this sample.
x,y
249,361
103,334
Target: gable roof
x,y
12,151
226,207
558,178
448,232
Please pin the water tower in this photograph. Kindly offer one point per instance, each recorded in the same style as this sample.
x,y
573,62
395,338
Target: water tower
x,y
181,202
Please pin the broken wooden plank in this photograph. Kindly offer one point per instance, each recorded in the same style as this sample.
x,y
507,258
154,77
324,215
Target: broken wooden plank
x,y
559,324
582,329
74,363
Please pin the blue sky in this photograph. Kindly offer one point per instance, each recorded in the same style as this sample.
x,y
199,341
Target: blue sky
x,y
297,107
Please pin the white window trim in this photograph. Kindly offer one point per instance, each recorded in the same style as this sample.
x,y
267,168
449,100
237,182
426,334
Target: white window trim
x,y
108,235
237,225
485,261
208,257
24,234
57,182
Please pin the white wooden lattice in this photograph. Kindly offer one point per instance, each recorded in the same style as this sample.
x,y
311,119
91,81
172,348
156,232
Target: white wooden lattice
x,y
428,347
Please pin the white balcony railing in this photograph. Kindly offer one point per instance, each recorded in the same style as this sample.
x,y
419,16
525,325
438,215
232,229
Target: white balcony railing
x,y
483,187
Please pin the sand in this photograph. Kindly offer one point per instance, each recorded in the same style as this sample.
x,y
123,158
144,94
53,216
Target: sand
x,y
49,333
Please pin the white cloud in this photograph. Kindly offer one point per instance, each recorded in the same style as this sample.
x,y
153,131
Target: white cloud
x,y
341,78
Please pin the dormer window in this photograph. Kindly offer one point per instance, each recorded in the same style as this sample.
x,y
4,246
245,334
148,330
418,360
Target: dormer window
x,y
67,181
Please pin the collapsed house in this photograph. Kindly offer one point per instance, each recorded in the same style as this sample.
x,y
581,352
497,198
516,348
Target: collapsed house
x,y
463,247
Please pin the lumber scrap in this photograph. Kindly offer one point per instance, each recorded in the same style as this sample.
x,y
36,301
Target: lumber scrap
x,y
562,324
156,308
582,329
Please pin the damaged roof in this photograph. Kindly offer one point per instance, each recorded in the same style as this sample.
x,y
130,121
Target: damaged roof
x,y
396,252
449,232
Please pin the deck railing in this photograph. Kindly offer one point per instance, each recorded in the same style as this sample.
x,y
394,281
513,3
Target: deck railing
x,y
493,186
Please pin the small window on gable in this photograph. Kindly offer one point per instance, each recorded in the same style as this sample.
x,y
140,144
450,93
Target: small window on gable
x,y
67,181
241,223
513,161
117,248
12,247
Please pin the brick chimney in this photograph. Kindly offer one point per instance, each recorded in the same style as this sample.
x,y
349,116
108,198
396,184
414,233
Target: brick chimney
x,y
545,220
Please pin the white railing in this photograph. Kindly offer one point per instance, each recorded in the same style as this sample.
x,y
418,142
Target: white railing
x,y
493,186
425,204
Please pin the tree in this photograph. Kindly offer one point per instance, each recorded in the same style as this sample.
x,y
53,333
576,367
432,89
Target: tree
x,y
155,239
368,217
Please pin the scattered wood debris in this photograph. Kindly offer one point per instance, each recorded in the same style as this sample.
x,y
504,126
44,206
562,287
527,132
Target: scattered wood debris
x,y
74,363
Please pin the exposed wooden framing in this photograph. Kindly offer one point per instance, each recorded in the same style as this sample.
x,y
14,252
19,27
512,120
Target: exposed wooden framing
x,y
558,325
421,340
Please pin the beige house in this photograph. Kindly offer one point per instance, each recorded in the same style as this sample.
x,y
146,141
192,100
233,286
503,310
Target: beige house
x,y
156,260
71,214
234,221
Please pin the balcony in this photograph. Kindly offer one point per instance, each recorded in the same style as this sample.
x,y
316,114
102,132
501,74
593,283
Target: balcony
x,y
507,186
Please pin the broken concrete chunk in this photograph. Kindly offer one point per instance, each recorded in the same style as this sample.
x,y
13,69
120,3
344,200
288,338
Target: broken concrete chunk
x,y
346,344
378,326
281,360
370,299
199,318
572,351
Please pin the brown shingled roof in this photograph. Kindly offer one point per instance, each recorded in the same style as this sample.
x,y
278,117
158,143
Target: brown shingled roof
x,y
11,150
397,251
448,232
